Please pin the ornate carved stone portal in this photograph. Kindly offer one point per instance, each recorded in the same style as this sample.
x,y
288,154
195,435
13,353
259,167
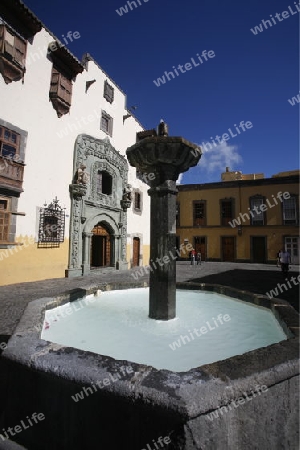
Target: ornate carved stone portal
x,y
97,202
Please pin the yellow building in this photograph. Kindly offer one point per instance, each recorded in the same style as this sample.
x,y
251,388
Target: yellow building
x,y
245,219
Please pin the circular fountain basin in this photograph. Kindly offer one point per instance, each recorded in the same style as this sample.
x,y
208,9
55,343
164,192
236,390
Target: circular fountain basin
x,y
209,327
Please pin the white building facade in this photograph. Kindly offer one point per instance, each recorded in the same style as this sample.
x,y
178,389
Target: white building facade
x,y
69,201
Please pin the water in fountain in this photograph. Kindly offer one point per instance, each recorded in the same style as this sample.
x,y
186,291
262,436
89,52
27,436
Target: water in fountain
x,y
208,327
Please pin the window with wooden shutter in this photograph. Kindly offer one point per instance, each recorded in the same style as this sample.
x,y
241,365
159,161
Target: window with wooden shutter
x,y
20,51
12,55
60,92
108,92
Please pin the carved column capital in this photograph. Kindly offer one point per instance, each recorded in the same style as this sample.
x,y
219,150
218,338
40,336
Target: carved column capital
x,y
87,234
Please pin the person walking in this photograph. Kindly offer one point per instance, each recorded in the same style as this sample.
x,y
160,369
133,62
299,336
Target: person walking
x,y
278,258
285,260
198,258
193,257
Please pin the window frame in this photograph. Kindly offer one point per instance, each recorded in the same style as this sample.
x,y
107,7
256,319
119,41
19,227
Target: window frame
x,y
109,129
137,201
224,221
135,193
199,221
99,184
109,92
294,221
254,222
4,141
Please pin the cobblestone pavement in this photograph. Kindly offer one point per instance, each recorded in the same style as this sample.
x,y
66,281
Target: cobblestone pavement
x,y
258,278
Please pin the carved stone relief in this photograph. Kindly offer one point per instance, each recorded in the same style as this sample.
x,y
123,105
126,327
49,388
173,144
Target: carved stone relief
x,y
89,206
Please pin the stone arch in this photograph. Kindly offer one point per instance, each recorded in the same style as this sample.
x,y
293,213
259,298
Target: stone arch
x,y
101,217
101,251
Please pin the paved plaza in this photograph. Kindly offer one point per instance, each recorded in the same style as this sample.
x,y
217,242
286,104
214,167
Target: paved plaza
x,y
257,278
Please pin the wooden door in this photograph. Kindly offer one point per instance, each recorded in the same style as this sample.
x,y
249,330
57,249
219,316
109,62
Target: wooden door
x,y
228,249
136,252
101,248
258,249
200,246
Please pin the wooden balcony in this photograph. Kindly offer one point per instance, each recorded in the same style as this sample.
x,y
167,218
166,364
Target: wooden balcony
x,y
11,174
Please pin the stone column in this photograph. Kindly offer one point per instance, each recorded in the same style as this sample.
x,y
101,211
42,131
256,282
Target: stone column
x,y
162,297
161,159
86,266
77,191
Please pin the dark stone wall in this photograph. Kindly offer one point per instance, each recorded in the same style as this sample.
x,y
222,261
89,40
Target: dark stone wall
x,y
100,420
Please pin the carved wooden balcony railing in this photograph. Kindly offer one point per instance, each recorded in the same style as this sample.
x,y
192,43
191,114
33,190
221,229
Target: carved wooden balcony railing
x,y
11,174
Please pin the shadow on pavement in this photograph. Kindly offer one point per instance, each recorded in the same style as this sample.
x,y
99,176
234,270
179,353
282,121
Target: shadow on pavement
x,y
259,282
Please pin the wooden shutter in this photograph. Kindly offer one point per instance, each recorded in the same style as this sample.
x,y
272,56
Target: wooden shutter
x,y
65,89
61,86
9,42
20,51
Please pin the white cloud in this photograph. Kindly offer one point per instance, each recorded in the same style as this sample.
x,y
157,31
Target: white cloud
x,y
219,156
179,179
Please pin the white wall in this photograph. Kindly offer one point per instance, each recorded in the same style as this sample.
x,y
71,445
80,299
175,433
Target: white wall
x,y
50,144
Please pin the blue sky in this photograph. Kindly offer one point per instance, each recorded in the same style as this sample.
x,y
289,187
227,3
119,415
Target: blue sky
x,y
250,78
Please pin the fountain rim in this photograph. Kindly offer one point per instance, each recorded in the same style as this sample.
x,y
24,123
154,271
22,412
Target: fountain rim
x,y
84,367
164,139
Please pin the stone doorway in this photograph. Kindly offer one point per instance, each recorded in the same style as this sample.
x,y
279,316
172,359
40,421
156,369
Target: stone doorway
x,y
100,247
98,224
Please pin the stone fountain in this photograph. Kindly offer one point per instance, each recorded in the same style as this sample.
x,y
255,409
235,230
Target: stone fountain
x,y
165,158
93,400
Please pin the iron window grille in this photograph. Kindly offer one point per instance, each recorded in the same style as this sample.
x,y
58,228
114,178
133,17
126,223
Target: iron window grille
x,y
51,225
109,92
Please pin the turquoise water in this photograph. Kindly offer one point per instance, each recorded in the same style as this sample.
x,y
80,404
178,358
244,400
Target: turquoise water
x,y
209,327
